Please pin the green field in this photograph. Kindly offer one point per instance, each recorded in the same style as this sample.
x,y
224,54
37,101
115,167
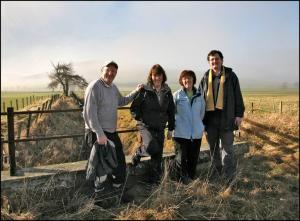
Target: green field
x,y
9,98
274,101
286,92
265,100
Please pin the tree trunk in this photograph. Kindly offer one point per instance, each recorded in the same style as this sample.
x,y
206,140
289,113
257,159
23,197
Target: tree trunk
x,y
66,92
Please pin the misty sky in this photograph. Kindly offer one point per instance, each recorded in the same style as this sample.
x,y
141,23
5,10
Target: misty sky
x,y
259,40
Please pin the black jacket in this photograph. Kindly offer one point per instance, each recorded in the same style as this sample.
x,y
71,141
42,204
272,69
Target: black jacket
x,y
102,160
233,104
146,108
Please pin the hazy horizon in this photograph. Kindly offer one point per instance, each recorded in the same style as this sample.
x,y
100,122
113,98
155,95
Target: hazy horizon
x,y
261,46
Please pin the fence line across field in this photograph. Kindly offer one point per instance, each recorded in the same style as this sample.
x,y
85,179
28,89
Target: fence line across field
x,y
46,108
271,109
24,101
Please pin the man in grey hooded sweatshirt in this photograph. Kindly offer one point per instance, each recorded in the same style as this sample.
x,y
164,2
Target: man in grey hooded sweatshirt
x,y
101,101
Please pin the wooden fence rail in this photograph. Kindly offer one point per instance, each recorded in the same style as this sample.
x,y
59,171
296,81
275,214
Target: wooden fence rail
x,y
280,110
11,139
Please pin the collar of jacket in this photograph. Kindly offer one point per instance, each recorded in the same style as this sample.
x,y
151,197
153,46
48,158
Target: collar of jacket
x,y
227,72
196,93
103,82
164,87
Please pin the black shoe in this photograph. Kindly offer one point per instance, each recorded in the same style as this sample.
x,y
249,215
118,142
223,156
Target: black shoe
x,y
186,180
126,197
106,197
154,180
123,193
103,186
229,180
107,200
214,176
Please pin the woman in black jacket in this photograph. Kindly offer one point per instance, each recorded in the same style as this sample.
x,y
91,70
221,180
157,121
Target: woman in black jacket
x,y
153,108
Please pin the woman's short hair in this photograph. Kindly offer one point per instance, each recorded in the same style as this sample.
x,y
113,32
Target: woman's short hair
x,y
157,70
186,73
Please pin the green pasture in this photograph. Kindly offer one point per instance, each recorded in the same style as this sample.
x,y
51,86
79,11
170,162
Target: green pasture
x,y
267,93
275,101
263,100
8,98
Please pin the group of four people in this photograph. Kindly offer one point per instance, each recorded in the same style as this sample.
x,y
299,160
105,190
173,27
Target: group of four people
x,y
216,107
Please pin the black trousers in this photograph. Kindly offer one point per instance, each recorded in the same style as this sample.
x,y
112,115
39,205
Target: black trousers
x,y
119,173
152,143
186,157
222,156
222,159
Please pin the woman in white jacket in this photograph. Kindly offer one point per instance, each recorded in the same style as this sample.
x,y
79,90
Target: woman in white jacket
x,y
189,113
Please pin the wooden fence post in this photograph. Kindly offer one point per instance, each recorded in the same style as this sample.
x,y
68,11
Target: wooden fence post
x,y
11,103
33,98
251,107
23,102
4,106
27,101
2,153
280,107
43,107
17,104
46,104
50,104
11,140
37,115
28,125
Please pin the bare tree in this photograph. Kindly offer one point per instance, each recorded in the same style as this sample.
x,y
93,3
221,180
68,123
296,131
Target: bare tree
x,y
63,74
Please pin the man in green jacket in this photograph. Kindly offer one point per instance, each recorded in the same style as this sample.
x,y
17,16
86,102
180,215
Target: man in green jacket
x,y
224,113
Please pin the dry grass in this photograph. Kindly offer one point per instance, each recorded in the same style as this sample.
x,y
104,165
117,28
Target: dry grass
x,y
37,153
266,186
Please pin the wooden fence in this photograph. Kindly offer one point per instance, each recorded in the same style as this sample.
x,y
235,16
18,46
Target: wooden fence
x,y
272,109
11,139
20,103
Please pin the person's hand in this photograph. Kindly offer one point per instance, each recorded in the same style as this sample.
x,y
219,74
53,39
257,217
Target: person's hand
x,y
102,140
238,121
139,87
169,135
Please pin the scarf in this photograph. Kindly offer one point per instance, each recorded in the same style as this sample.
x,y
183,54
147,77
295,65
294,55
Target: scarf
x,y
209,96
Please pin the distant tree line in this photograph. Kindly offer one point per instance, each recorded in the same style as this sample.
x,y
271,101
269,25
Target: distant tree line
x,y
286,85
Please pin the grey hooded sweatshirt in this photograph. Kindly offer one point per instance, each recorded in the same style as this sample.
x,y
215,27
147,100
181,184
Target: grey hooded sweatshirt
x,y
101,102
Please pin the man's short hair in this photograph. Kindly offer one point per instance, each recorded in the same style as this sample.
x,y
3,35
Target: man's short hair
x,y
214,52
